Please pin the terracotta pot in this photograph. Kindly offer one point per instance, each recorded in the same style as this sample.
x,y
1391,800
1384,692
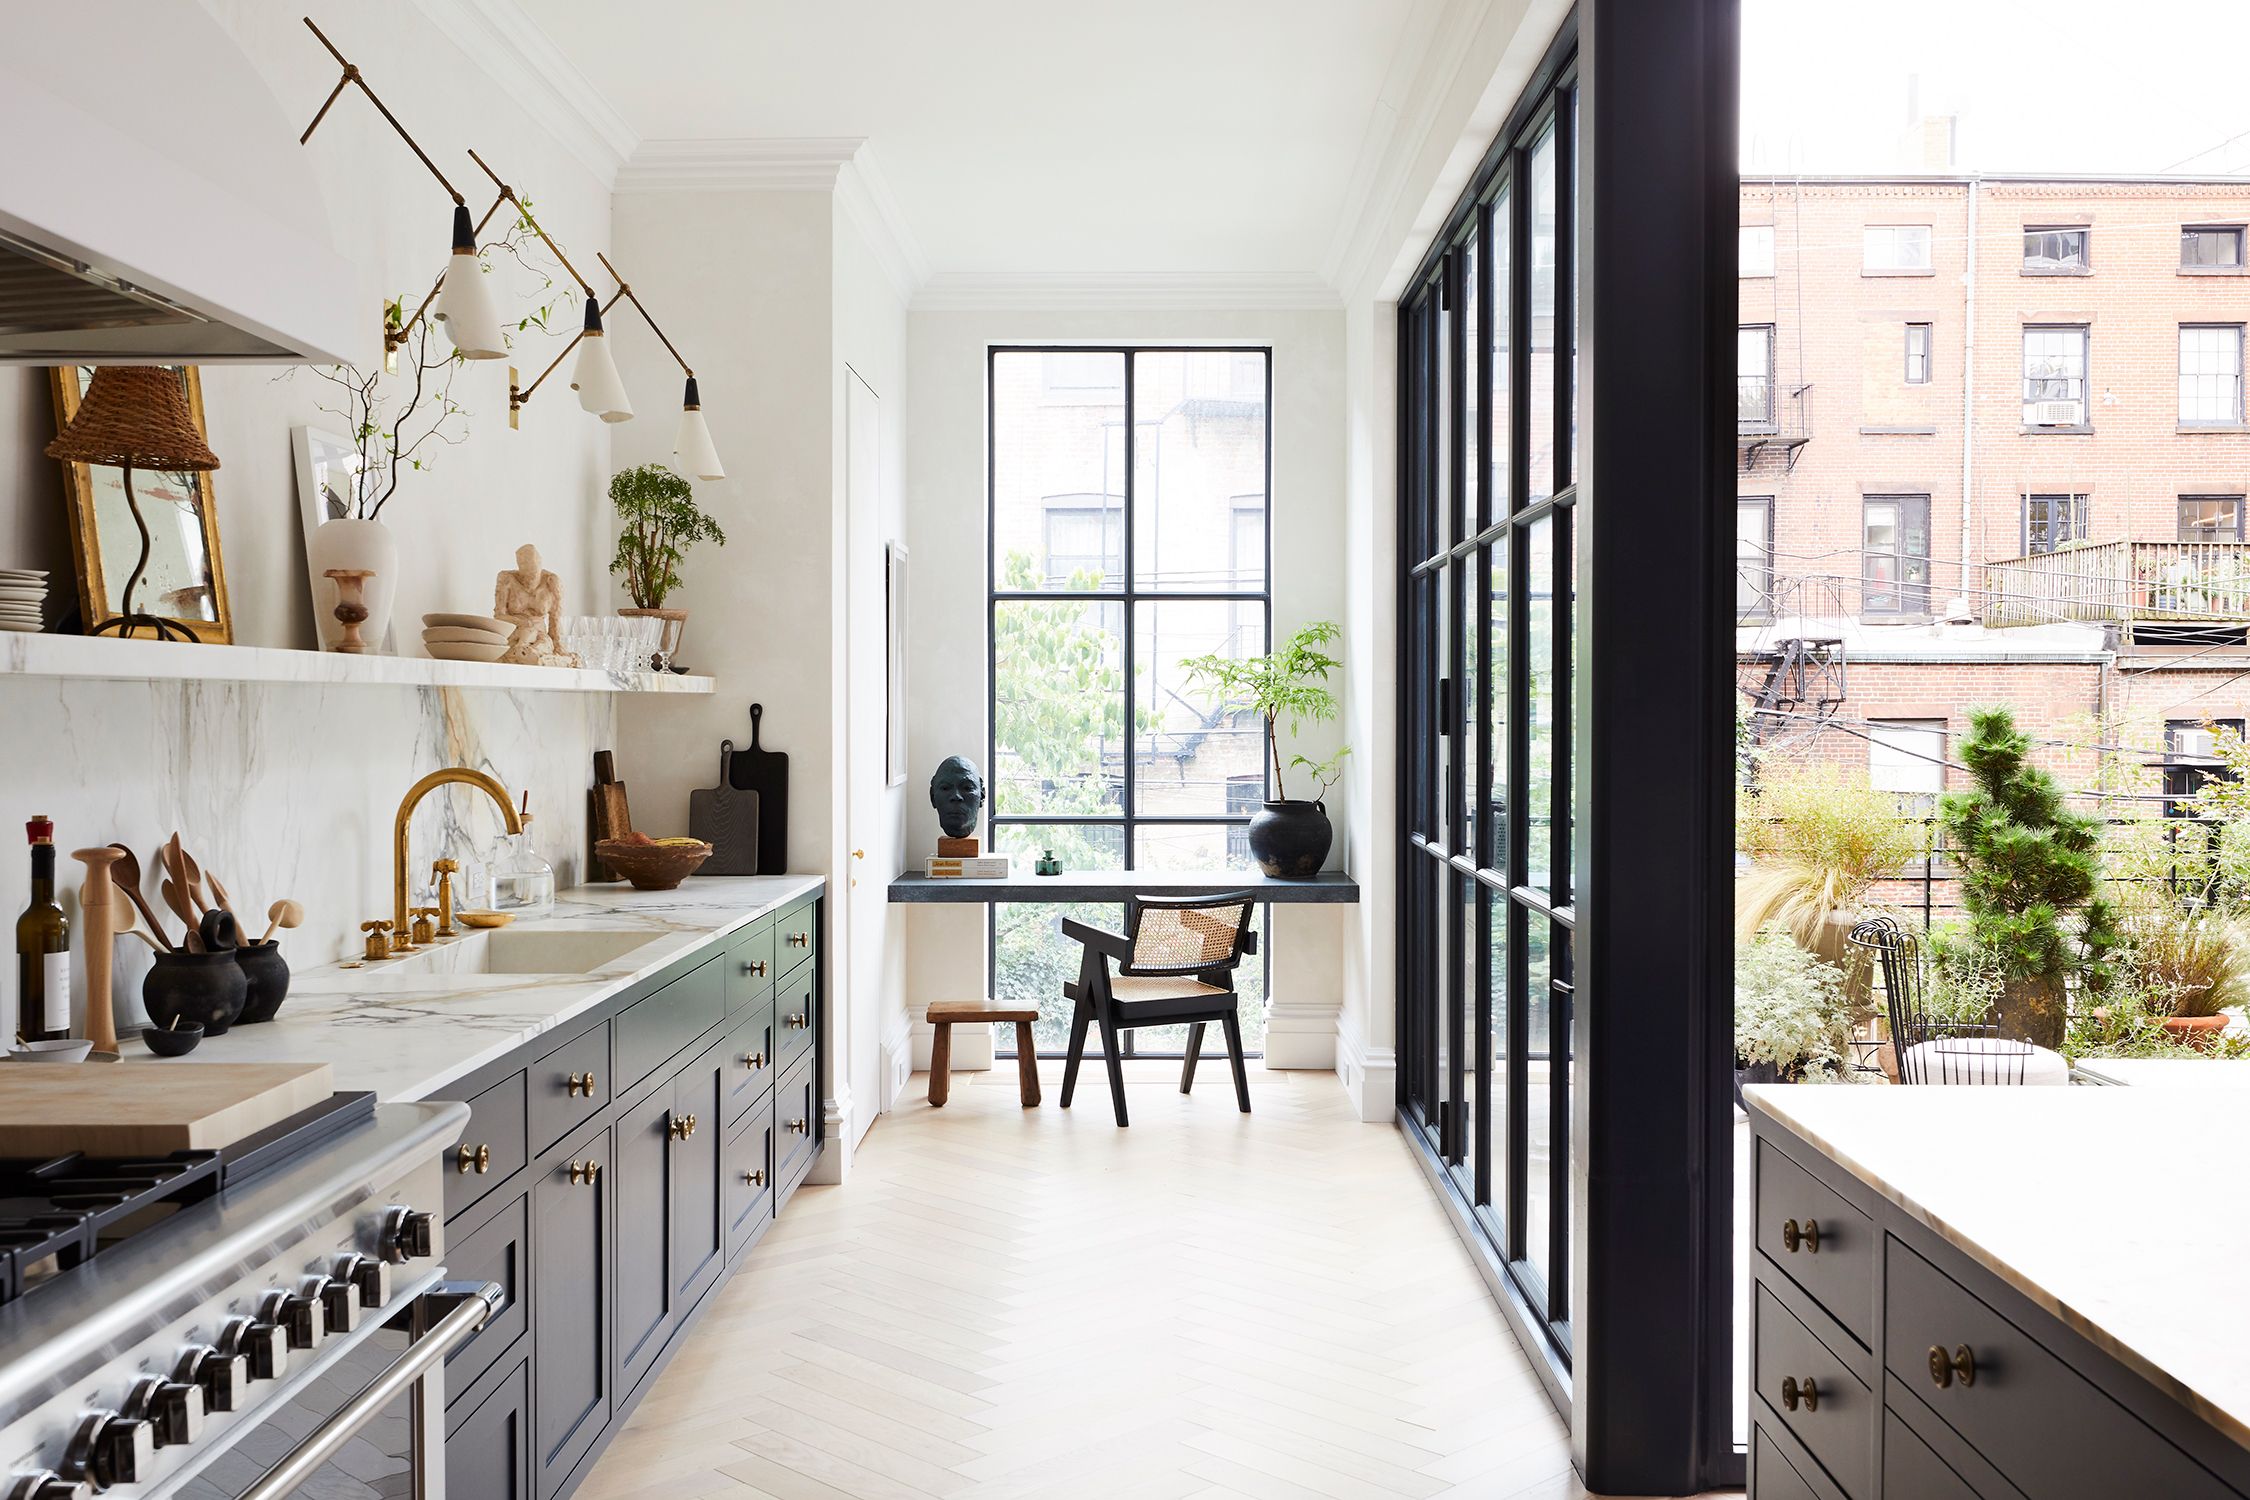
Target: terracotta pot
x,y
362,545
675,626
2198,1032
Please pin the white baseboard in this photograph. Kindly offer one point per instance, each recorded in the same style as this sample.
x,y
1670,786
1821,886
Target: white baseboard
x,y
1369,1075
898,1063
838,1138
972,1047
1301,1036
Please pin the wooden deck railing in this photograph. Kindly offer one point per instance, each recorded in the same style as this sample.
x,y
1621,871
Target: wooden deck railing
x,y
2121,582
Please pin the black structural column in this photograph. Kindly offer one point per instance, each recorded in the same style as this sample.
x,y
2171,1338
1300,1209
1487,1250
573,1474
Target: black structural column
x,y
1654,723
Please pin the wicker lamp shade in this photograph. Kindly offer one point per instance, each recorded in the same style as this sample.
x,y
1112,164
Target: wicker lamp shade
x,y
137,416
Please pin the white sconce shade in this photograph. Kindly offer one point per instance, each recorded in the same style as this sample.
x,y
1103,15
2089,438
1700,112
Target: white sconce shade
x,y
691,445
595,377
464,303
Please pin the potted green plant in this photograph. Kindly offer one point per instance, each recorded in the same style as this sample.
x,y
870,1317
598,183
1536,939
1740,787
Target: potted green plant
x,y
659,522
1792,1018
1288,837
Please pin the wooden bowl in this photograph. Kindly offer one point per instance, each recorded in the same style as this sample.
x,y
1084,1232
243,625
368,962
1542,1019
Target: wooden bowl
x,y
653,867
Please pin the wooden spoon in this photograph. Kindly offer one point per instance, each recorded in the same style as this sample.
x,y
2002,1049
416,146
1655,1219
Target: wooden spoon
x,y
282,914
194,883
177,900
121,925
127,874
225,901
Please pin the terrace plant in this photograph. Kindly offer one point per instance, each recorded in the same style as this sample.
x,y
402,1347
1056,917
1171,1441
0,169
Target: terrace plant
x,y
1818,840
1792,1018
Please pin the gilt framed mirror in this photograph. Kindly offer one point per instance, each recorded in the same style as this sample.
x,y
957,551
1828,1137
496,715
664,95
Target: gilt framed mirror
x,y
186,581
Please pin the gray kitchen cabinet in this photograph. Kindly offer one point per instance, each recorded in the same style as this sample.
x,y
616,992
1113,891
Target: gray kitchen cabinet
x,y
699,1224
571,1208
488,1439
641,1248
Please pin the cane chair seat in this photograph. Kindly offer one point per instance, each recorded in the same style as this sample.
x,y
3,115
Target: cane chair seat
x,y
1159,987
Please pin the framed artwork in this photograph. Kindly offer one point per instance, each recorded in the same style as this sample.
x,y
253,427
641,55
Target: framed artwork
x,y
894,642
185,584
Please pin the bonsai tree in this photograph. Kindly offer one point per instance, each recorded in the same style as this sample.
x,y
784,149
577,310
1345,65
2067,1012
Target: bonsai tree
x,y
661,522
1291,684
2029,869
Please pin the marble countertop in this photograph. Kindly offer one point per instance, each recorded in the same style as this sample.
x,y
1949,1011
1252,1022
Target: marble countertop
x,y
2099,1204
406,1029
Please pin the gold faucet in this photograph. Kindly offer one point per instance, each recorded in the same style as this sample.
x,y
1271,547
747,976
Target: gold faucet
x,y
400,913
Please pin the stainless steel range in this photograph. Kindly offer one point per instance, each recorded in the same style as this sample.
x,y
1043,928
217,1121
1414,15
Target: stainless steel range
x,y
209,1324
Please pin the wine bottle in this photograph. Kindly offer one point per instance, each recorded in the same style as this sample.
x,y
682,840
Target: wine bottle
x,y
42,947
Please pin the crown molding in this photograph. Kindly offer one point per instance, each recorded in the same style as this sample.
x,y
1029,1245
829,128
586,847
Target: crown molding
x,y
865,195
967,291
797,163
518,55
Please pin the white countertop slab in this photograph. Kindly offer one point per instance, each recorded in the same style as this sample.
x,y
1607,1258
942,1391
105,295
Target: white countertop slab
x,y
405,1033
2167,1072
2092,1202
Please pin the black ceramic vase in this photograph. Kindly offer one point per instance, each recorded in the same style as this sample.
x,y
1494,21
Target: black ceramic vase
x,y
268,973
206,988
1290,840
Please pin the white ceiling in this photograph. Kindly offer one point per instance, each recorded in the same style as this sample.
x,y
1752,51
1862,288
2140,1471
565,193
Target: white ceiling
x,y
1171,138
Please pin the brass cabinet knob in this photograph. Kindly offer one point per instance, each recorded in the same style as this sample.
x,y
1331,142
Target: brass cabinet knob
x,y
467,1159
1809,1236
799,939
756,1177
683,1126
585,1173
755,968
802,1127
1960,1365
796,1020
580,1083
1795,1392
753,1060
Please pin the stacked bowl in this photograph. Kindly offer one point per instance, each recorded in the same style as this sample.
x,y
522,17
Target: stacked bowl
x,y
23,599
465,637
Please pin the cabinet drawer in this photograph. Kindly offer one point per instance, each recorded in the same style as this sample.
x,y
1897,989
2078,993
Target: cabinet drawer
x,y
2044,1426
655,1028
1772,1475
750,966
493,1251
796,1129
488,1441
490,1149
796,934
1910,1468
1834,1258
1838,1428
751,1061
568,1087
796,1014
748,1164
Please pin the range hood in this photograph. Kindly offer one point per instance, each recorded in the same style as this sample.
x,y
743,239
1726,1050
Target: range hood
x,y
154,205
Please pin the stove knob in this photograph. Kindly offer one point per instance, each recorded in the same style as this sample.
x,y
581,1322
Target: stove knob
x,y
370,1277
44,1484
407,1235
220,1378
109,1449
263,1347
339,1305
173,1409
296,1315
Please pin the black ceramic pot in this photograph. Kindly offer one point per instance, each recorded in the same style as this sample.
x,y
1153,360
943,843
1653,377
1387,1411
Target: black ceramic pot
x,y
206,988
268,973
1754,1073
1290,840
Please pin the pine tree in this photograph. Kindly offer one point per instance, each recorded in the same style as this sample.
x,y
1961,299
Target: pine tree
x,y
2029,870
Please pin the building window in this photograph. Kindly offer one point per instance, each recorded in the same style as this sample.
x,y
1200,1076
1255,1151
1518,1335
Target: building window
x,y
2210,375
1754,252
1907,757
1896,249
2051,520
2055,252
1753,557
2211,247
1085,540
1917,354
2054,376
1753,377
1895,556
1246,542
2191,760
2210,518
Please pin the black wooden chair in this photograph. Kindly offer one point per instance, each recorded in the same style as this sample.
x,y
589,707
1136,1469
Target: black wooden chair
x,y
1175,964
1931,1048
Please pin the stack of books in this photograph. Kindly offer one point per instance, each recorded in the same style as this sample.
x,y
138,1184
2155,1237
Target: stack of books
x,y
970,867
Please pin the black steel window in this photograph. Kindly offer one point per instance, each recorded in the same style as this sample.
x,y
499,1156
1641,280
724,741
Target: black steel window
x,y
2055,252
1753,378
2051,520
2210,518
2211,247
1128,519
1895,560
1917,354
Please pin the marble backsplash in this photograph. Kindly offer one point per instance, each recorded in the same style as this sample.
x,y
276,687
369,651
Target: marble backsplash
x,y
282,790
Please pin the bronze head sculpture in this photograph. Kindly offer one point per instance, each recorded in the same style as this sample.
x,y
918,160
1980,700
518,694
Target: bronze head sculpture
x,y
957,792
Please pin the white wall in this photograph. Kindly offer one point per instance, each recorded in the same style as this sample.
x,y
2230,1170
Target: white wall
x,y
946,529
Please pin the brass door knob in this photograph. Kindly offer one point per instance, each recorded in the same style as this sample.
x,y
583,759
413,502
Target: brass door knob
x,y
1960,1365
683,1126
585,1173
467,1159
755,968
802,1127
755,1177
796,1020
1808,1236
753,1060
799,939
1795,1392
580,1083
859,854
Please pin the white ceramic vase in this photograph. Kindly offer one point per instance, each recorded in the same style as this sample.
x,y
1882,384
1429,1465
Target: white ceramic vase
x,y
354,544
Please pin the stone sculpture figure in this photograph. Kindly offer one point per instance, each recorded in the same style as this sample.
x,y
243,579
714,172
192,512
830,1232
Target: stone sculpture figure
x,y
530,598
957,792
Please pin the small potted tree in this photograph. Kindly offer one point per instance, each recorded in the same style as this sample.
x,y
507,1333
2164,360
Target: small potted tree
x,y
659,521
1289,838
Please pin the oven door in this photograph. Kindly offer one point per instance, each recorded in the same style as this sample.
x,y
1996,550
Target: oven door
x,y
370,1423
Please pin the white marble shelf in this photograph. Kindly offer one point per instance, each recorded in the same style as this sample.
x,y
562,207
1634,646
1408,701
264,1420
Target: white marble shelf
x,y
27,655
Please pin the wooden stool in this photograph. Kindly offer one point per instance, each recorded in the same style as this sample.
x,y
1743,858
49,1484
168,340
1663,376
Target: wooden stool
x,y
942,1015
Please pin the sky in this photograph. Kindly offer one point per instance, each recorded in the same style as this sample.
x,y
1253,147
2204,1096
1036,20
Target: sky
x,y
2150,86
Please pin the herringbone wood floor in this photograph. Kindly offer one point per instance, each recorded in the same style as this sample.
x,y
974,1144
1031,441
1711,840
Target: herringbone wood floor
x,y
1005,1303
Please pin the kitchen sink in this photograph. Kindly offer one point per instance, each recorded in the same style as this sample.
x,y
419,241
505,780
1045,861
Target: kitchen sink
x,y
535,950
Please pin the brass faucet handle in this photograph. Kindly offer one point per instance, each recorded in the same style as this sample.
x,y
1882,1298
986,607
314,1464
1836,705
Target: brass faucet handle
x,y
446,867
425,928
442,871
378,939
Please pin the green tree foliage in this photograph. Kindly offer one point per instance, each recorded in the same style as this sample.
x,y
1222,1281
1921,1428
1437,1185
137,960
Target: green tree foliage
x,y
1291,684
2029,866
661,521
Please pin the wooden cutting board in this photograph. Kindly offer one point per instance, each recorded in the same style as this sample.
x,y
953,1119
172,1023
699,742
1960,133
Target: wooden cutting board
x,y
607,816
148,1108
766,772
727,820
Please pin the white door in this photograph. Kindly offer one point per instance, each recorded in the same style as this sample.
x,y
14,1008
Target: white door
x,y
870,862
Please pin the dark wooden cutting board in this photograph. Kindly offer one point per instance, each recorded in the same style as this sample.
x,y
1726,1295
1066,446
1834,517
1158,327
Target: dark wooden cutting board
x,y
727,820
607,815
766,772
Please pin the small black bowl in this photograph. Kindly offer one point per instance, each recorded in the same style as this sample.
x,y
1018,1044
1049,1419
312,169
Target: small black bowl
x,y
179,1041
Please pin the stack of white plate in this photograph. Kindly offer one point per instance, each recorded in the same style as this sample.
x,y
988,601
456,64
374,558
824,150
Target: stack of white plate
x,y
23,599
465,637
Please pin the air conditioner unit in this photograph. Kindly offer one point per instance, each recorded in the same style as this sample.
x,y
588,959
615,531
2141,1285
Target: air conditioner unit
x,y
2054,413
2193,742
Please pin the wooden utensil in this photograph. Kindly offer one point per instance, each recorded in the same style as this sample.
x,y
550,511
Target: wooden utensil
x,y
97,917
766,772
225,901
284,913
121,921
727,820
126,874
51,1111
191,939
608,817
194,885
